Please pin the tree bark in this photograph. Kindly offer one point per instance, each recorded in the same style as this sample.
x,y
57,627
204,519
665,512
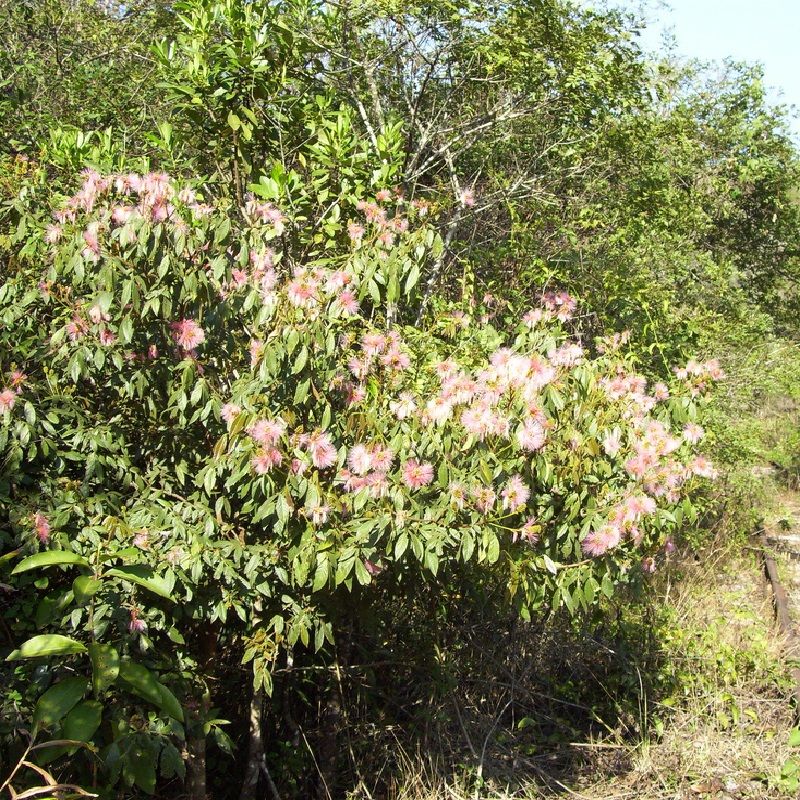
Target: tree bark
x,y
255,754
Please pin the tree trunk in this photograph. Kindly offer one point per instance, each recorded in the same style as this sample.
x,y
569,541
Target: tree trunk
x,y
255,755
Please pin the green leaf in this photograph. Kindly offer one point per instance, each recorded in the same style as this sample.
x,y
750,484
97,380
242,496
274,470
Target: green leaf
x,y
49,558
83,721
143,576
794,737
47,644
233,121
143,683
85,587
550,564
105,666
57,701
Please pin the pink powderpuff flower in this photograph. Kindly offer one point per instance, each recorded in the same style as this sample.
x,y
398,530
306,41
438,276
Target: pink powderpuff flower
x,y
648,565
263,461
404,406
337,280
703,468
297,466
141,540
382,458
229,412
693,433
137,624
348,303
53,234
41,526
152,352
458,494
320,446
359,459
515,494
355,394
97,315
107,338
267,431
7,399
319,514
484,498
256,351
532,435
383,195
416,473
355,232
187,334
527,532
660,391
533,317
598,542
76,328
467,198
372,344
16,379
395,359
612,442
302,290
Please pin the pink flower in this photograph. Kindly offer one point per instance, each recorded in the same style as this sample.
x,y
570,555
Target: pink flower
x,y
263,461
660,391
320,446
416,473
532,435
348,303
359,459
53,234
355,232
97,315
467,198
382,458
256,351
136,625
527,532
188,334
458,494
516,494
141,540
484,498
17,378
230,411
7,399
107,337
383,195
612,442
319,514
90,236
76,328
42,527
302,290
693,433
404,406
372,343
267,432
703,468
598,542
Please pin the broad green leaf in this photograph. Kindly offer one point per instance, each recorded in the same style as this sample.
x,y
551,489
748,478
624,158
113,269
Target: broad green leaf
x,y
105,666
143,576
57,701
143,683
85,587
49,558
47,644
83,721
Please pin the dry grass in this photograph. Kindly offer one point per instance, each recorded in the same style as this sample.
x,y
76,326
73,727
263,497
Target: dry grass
x,y
710,719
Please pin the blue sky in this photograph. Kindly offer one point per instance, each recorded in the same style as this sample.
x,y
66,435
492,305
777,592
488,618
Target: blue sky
x,y
767,31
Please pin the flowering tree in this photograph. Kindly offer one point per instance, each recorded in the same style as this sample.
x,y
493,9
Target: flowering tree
x,y
214,425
